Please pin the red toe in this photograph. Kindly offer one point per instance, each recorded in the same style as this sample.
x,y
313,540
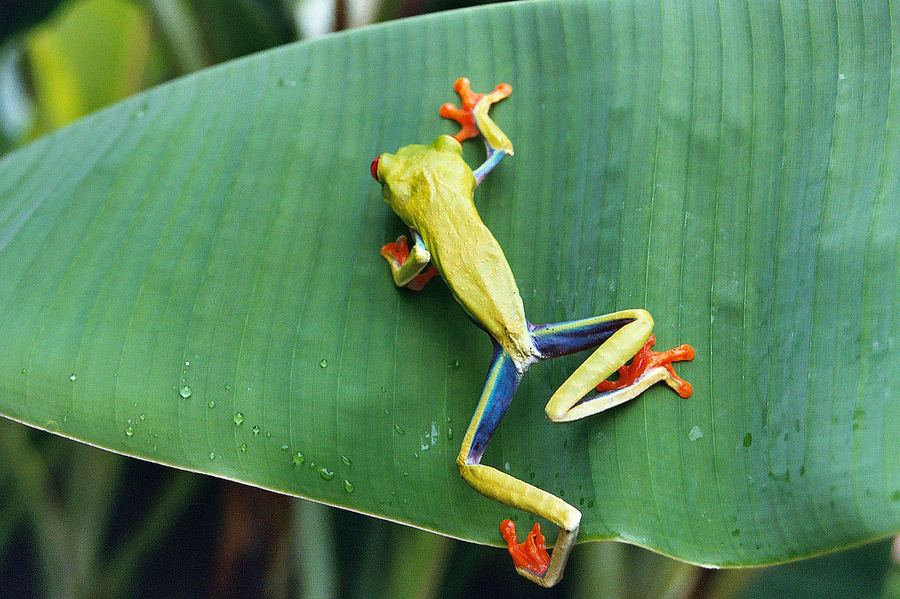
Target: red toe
x,y
646,359
531,554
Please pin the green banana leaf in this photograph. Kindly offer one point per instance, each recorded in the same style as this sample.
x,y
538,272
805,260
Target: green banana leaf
x,y
192,276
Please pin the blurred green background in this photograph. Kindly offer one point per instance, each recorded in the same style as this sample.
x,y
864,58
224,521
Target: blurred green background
x,y
79,522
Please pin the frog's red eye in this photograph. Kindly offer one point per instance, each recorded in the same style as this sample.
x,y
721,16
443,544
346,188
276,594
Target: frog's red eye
x,y
374,168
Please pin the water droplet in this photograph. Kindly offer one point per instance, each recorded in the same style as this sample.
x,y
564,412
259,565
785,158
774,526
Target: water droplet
x,y
227,387
24,371
449,434
243,447
695,433
129,421
399,429
416,454
323,363
284,448
325,473
346,460
184,392
211,404
72,377
256,430
282,82
142,417
736,532
748,439
129,431
212,455
348,486
386,412
187,363
268,434
238,418
454,365
298,458
506,466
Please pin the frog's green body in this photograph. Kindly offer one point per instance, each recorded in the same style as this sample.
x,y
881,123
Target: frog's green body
x,y
431,189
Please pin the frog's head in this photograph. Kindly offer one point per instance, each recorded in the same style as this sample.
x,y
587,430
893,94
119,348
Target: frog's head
x,y
413,173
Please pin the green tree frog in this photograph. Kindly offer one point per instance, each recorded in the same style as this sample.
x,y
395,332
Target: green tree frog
x,y
431,188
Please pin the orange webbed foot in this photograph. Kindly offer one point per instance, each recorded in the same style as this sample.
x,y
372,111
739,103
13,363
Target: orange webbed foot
x,y
531,554
465,115
646,359
396,251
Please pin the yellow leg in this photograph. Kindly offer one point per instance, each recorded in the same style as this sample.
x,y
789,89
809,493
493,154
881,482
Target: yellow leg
x,y
567,403
502,381
406,264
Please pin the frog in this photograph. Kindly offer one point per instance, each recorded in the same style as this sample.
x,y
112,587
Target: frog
x,y
431,189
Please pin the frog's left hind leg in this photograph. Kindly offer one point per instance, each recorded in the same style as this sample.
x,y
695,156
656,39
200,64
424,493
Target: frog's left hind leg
x,y
532,561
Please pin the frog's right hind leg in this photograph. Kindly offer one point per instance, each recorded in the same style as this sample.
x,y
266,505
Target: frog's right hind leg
x,y
619,337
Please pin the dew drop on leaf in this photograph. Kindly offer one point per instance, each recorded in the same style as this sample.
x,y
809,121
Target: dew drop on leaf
x,y
184,392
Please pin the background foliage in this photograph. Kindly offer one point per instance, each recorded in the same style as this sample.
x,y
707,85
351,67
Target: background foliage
x,y
89,516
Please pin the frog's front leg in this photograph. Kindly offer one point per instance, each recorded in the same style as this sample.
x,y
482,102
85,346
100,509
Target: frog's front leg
x,y
473,119
409,267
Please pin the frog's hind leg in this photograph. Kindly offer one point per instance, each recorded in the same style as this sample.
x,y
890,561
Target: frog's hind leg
x,y
619,337
532,560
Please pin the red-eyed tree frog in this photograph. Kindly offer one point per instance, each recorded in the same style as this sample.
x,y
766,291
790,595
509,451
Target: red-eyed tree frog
x,y
431,188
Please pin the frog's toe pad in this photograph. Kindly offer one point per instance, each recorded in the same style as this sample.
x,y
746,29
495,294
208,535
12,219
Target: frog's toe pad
x,y
531,554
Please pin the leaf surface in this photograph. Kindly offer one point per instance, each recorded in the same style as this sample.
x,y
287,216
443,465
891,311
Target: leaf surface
x,y
192,276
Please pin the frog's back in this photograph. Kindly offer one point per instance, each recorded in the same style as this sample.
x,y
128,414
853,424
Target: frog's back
x,y
472,263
